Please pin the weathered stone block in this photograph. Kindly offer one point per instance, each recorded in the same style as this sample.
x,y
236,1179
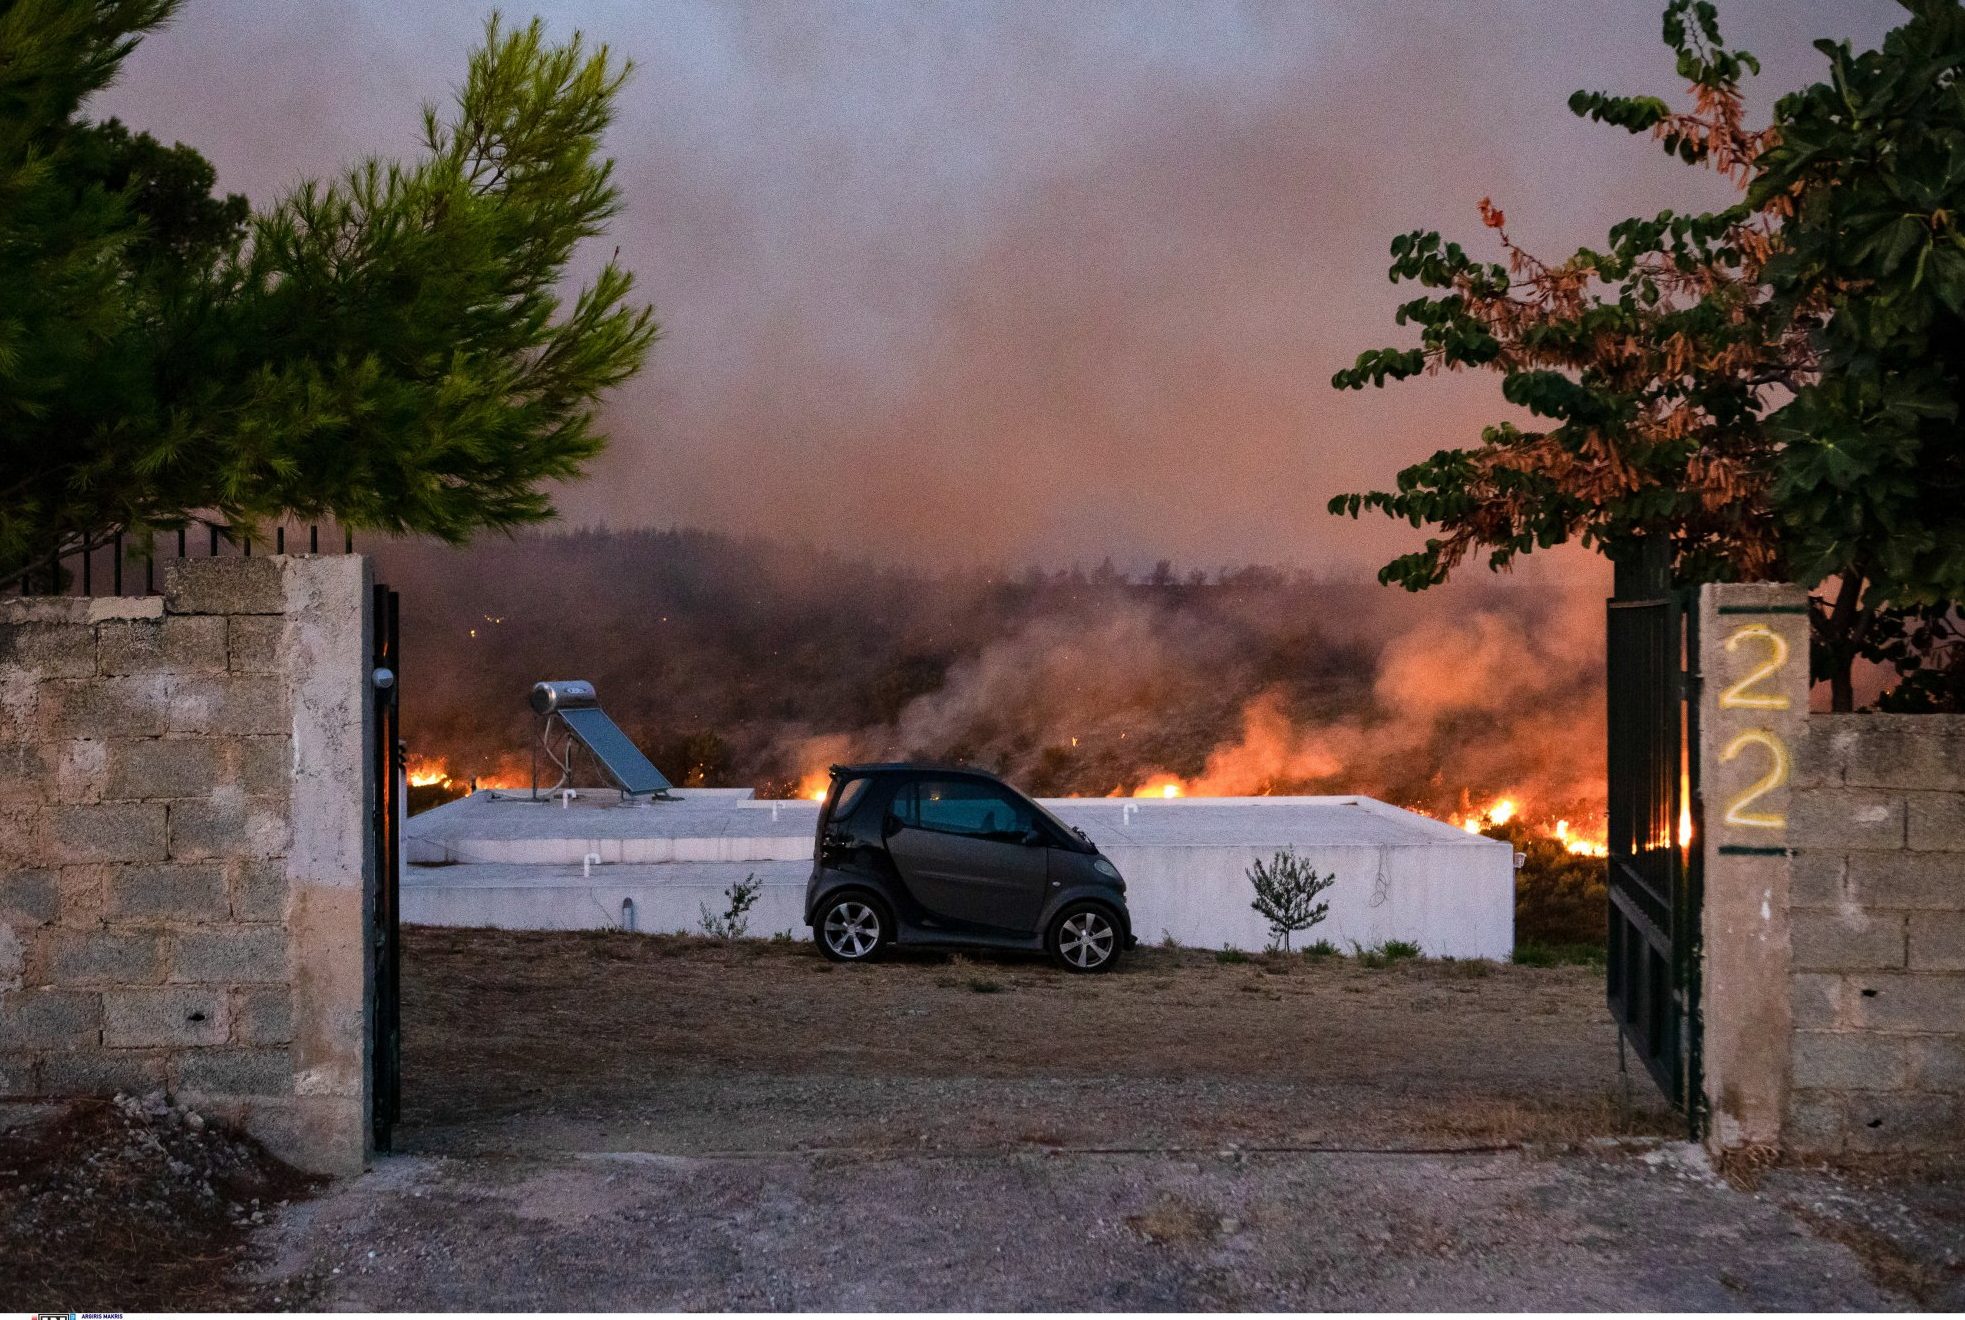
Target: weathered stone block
x,y
228,824
1938,1062
252,643
169,1016
1851,939
160,768
85,894
102,1072
136,706
259,890
23,836
261,765
262,1017
29,898
1820,755
1937,824
1850,1061
1907,1002
224,586
26,774
1846,818
1815,1123
232,1071
1907,880
19,1074
1912,1122
99,957
49,650
232,705
81,770
1937,943
1897,751
173,891
230,955
1816,1000
1817,879
177,645
109,832
49,1019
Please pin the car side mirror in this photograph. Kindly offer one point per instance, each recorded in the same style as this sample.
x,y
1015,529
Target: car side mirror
x,y
1033,839
890,827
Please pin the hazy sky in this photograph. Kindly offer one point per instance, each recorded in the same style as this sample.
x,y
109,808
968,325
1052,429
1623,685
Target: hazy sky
x,y
1015,281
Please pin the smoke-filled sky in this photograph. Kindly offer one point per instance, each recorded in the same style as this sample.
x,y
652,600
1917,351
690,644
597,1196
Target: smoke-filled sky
x,y
1015,281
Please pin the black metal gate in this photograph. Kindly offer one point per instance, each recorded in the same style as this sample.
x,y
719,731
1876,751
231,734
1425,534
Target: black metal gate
x,y
388,806
1652,650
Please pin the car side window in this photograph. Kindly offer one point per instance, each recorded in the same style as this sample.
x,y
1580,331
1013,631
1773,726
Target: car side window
x,y
901,809
849,798
962,806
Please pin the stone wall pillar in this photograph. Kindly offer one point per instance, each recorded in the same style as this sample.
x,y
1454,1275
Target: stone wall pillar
x,y
186,856
1753,710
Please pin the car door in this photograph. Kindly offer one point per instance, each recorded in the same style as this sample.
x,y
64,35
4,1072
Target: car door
x,y
963,849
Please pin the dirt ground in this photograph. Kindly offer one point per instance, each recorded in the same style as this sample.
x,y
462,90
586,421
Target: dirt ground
x,y
623,1122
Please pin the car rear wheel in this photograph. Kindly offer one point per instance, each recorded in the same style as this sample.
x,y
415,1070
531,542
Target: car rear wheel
x,y
1084,938
852,927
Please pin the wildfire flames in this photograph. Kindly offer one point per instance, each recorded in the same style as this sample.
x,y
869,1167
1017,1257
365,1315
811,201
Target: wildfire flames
x,y
435,772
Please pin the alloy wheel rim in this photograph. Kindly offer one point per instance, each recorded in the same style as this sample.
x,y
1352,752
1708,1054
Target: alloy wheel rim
x,y
852,930
1086,939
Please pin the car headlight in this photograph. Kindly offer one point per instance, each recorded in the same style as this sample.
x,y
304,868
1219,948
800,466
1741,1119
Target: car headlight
x,y
1105,868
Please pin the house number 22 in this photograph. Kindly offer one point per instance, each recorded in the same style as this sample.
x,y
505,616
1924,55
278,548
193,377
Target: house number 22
x,y
1743,696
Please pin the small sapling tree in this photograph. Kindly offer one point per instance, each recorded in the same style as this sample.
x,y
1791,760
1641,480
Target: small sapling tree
x,y
1286,889
734,922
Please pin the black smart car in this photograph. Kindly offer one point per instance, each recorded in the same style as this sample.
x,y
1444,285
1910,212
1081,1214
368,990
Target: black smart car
x,y
946,855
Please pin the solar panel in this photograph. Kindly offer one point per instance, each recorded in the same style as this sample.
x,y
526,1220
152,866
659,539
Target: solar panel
x,y
632,771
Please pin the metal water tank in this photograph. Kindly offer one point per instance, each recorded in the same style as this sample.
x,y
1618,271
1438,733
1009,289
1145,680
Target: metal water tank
x,y
565,694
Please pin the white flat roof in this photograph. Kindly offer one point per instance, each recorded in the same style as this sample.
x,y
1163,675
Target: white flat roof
x,y
1111,822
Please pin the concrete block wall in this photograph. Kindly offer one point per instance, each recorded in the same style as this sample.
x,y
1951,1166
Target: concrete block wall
x,y
184,848
1877,920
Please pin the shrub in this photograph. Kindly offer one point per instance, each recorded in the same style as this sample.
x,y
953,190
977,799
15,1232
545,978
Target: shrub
x,y
1286,889
733,922
1321,949
1384,955
1228,955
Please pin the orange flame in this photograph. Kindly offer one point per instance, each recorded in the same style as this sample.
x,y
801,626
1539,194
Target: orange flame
x,y
1161,786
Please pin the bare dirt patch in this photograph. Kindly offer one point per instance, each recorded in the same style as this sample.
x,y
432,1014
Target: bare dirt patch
x,y
689,1045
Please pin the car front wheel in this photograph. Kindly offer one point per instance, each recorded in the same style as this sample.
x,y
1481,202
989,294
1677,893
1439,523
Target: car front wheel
x,y
851,927
1084,938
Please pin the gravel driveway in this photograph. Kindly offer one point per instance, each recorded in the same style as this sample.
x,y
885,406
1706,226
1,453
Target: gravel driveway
x,y
620,1122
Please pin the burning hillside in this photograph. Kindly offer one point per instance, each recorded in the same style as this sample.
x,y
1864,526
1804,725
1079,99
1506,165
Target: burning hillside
x,y
743,662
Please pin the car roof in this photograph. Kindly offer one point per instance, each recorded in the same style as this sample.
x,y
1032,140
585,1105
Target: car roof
x,y
915,767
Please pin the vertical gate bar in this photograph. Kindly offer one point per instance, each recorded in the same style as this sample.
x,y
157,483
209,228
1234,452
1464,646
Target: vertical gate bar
x,y
150,566
1693,854
116,569
279,540
88,570
397,770
214,532
180,543
313,538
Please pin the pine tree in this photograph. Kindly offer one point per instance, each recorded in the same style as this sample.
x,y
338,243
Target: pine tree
x,y
388,349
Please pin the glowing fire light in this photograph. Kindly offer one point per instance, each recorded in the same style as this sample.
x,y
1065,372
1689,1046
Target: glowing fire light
x,y
1503,811
1161,786
1579,847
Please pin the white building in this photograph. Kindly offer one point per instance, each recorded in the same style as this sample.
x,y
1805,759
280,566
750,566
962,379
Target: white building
x,y
496,859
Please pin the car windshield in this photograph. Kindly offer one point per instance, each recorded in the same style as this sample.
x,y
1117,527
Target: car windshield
x,y
1063,829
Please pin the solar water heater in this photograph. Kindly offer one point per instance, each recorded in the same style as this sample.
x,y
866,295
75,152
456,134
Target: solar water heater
x,y
576,707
